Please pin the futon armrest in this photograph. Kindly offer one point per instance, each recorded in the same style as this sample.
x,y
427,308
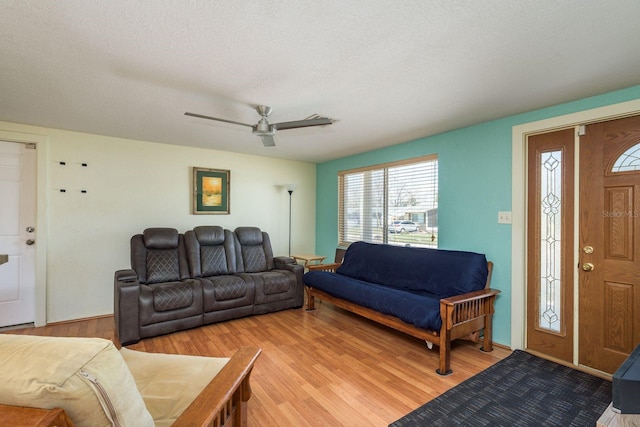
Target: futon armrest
x,y
467,308
325,267
225,396
471,296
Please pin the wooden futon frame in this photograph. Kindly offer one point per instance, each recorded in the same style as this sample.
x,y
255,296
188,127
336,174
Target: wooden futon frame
x,y
463,316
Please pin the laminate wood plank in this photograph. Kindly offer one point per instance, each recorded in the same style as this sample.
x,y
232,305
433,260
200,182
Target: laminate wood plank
x,y
313,413
328,367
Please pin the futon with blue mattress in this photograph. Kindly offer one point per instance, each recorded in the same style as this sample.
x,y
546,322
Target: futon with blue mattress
x,y
433,294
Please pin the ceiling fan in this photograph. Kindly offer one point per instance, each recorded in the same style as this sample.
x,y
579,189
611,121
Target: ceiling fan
x,y
266,130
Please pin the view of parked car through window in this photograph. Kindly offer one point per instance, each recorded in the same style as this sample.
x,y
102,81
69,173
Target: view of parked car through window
x,y
403,226
394,203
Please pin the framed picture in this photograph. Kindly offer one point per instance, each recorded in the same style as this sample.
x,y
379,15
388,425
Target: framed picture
x,y
210,191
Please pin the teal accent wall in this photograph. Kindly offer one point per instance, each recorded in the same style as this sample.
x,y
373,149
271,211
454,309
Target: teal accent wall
x,y
474,184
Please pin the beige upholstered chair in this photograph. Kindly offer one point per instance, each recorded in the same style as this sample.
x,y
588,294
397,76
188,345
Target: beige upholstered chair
x,y
97,385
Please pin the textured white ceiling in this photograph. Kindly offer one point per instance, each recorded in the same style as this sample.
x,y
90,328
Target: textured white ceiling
x,y
389,71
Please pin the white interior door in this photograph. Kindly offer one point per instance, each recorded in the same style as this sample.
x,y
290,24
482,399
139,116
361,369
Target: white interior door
x,y
17,232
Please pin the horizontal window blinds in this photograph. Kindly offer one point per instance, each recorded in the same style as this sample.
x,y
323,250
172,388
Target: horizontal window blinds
x,y
394,203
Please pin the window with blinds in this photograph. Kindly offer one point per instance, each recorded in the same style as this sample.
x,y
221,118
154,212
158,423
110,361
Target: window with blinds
x,y
394,203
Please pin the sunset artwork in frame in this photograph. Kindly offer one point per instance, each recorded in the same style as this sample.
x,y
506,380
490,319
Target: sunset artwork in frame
x,y
210,191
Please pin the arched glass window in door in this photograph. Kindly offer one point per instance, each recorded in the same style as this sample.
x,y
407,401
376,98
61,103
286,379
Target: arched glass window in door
x,y
628,161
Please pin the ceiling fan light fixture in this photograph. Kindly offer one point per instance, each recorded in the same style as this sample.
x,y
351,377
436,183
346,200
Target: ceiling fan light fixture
x,y
262,129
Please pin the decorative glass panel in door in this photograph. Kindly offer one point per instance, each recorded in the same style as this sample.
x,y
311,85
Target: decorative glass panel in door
x,y
550,273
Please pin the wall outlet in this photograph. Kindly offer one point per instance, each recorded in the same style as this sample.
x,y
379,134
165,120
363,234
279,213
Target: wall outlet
x,y
504,217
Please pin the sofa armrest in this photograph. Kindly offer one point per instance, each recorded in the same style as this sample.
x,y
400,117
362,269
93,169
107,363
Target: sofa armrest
x,y
224,400
290,264
283,260
286,263
325,267
281,263
126,276
126,293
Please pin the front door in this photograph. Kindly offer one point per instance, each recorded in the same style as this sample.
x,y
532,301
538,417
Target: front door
x,y
17,235
609,267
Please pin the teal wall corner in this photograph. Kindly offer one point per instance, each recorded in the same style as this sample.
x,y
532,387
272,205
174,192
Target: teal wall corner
x,y
475,183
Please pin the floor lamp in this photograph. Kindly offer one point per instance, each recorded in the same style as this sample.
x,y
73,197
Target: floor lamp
x,y
290,189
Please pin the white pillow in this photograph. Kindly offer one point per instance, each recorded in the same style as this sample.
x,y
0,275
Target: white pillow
x,y
87,377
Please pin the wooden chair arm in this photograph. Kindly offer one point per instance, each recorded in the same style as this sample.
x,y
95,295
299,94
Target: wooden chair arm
x,y
325,267
18,416
223,400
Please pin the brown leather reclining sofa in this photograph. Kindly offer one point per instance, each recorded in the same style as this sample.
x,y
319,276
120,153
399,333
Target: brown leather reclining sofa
x,y
207,275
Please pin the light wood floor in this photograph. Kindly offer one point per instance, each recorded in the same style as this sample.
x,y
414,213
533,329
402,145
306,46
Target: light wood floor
x,y
322,368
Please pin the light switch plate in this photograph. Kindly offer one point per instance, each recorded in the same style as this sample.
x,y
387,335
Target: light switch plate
x,y
504,217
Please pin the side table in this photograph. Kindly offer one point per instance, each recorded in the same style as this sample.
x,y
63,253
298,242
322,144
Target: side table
x,y
309,259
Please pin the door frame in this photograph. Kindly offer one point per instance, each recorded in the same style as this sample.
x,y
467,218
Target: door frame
x,y
519,198
42,214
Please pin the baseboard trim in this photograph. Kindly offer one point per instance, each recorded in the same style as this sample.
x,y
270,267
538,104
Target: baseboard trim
x,y
502,346
15,327
83,319
581,368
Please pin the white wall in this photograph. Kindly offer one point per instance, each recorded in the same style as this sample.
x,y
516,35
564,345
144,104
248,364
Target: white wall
x,y
131,185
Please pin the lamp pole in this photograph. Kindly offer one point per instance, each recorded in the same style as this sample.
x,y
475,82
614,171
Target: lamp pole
x,y
290,191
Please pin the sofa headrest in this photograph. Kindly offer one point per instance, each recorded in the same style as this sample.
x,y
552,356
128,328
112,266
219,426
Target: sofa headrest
x,y
209,235
249,235
160,238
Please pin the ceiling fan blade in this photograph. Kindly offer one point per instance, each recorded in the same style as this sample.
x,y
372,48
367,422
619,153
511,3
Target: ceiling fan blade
x,y
200,116
268,141
303,123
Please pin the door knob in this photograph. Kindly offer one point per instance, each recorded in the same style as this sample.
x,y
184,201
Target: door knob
x,y
30,242
587,266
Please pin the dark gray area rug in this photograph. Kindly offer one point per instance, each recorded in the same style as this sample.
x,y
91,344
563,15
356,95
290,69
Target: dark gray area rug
x,y
520,390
